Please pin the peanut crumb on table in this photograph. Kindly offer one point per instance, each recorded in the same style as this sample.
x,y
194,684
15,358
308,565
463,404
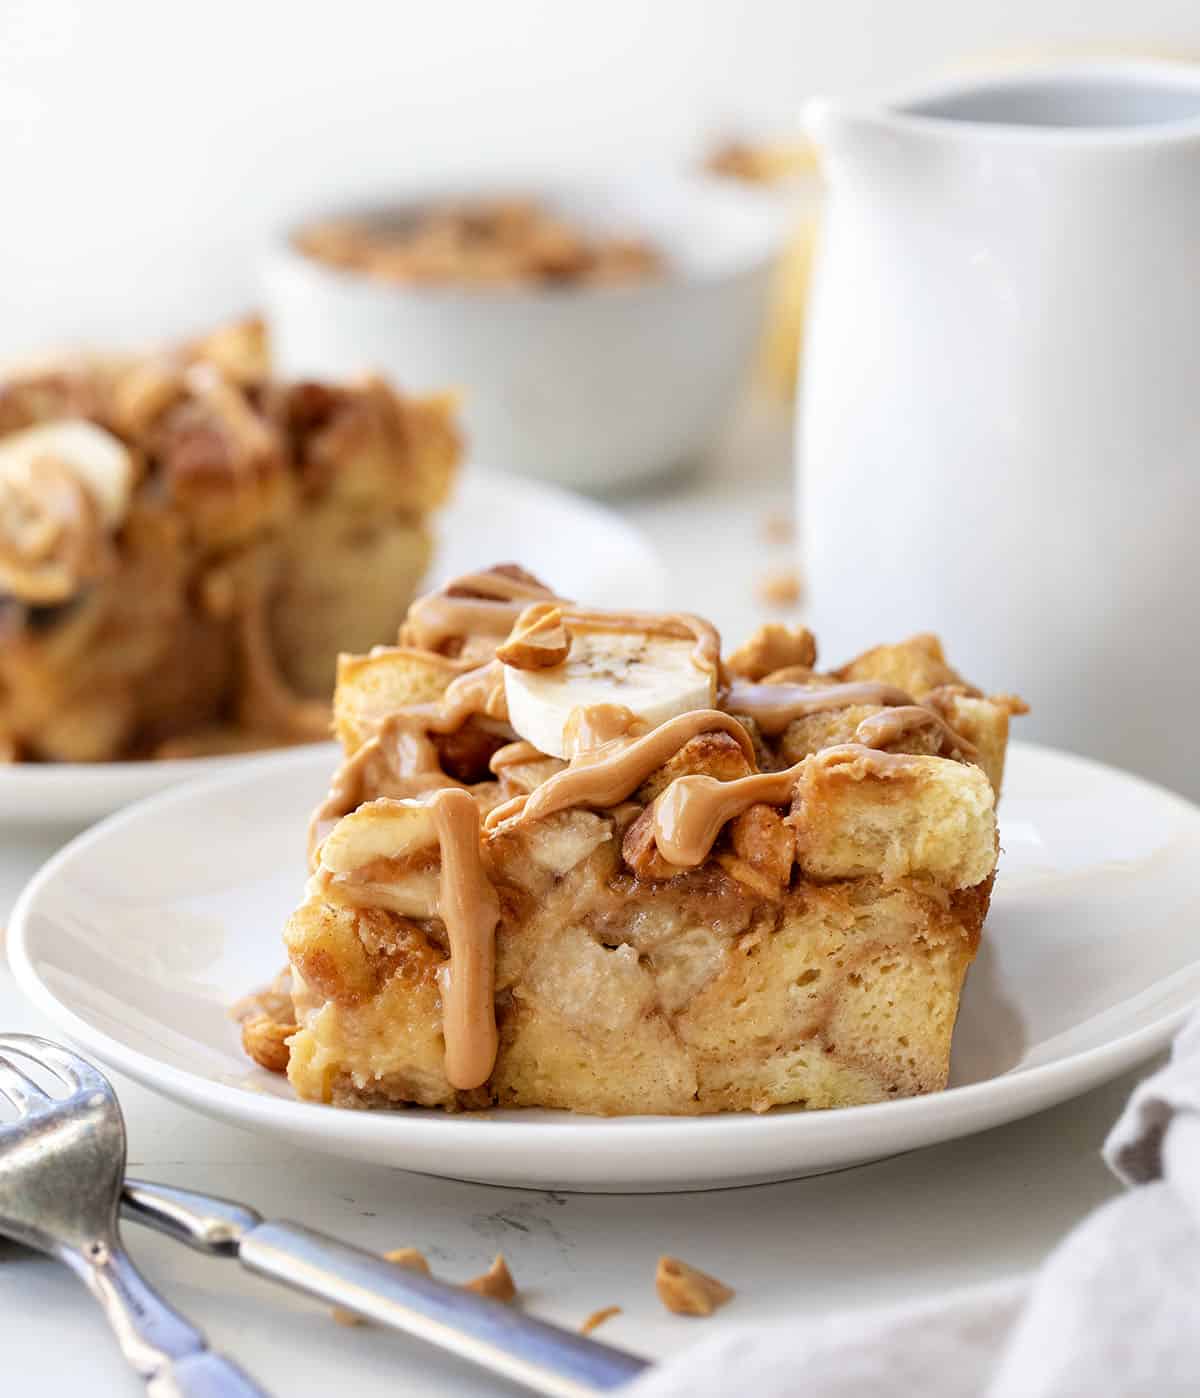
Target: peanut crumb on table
x,y
496,1282
412,1258
597,1318
686,1290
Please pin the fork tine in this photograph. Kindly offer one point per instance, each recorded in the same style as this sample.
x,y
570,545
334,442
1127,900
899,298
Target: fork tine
x,y
74,1071
22,1092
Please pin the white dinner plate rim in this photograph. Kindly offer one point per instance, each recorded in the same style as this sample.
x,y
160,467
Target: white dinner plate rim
x,y
1002,1097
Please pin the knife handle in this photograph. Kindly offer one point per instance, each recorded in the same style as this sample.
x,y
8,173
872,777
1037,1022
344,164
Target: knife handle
x,y
500,1338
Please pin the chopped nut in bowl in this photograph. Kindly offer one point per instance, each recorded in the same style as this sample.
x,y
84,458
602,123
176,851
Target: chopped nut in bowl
x,y
636,303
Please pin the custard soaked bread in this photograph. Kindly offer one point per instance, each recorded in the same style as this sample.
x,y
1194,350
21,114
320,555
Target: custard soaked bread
x,y
703,886
183,544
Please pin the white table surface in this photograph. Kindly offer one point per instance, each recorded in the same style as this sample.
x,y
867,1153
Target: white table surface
x,y
911,1227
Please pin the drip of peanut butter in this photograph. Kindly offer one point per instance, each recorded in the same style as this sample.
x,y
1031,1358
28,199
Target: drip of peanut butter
x,y
612,772
405,751
893,725
693,810
514,755
774,706
592,725
470,910
476,604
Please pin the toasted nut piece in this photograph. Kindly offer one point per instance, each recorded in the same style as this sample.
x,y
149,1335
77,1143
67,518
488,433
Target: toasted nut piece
x,y
748,875
265,1040
763,851
781,587
717,755
688,1291
640,850
538,641
597,1318
496,1282
409,1257
917,665
772,647
273,1000
760,837
797,674
412,1258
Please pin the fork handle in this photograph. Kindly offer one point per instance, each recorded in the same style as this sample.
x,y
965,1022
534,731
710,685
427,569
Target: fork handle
x,y
170,1354
203,1375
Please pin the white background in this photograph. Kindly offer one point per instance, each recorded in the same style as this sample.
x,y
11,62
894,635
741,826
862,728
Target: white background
x,y
146,147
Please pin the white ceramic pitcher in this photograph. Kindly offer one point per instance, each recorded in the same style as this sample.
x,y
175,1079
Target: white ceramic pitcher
x,y
1000,423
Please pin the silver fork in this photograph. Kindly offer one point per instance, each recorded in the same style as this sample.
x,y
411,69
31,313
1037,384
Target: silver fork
x,y
62,1168
59,1145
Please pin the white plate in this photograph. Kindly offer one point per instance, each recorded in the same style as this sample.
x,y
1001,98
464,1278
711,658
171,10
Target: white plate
x,y
137,935
580,548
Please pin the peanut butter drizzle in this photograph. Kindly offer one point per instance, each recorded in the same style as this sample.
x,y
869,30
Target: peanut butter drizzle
x,y
494,603
774,706
883,729
592,725
612,772
514,754
470,910
692,811
404,745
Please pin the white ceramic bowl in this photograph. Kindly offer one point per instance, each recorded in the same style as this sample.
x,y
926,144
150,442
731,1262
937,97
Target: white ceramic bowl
x,y
592,387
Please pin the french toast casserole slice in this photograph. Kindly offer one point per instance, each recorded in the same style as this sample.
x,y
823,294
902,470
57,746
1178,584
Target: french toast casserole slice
x,y
705,885
184,539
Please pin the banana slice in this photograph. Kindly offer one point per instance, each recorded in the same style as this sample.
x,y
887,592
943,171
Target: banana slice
x,y
101,461
359,852
656,677
384,829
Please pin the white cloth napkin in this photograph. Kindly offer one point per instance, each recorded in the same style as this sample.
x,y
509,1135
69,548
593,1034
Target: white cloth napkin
x,y
1114,1312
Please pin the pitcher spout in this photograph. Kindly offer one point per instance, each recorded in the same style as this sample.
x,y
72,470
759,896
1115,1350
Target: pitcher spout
x,y
857,141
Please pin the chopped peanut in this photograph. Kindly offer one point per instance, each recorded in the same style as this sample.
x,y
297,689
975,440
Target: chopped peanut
x,y
265,1040
688,1291
597,1318
496,1282
772,647
412,1258
538,641
760,837
640,850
